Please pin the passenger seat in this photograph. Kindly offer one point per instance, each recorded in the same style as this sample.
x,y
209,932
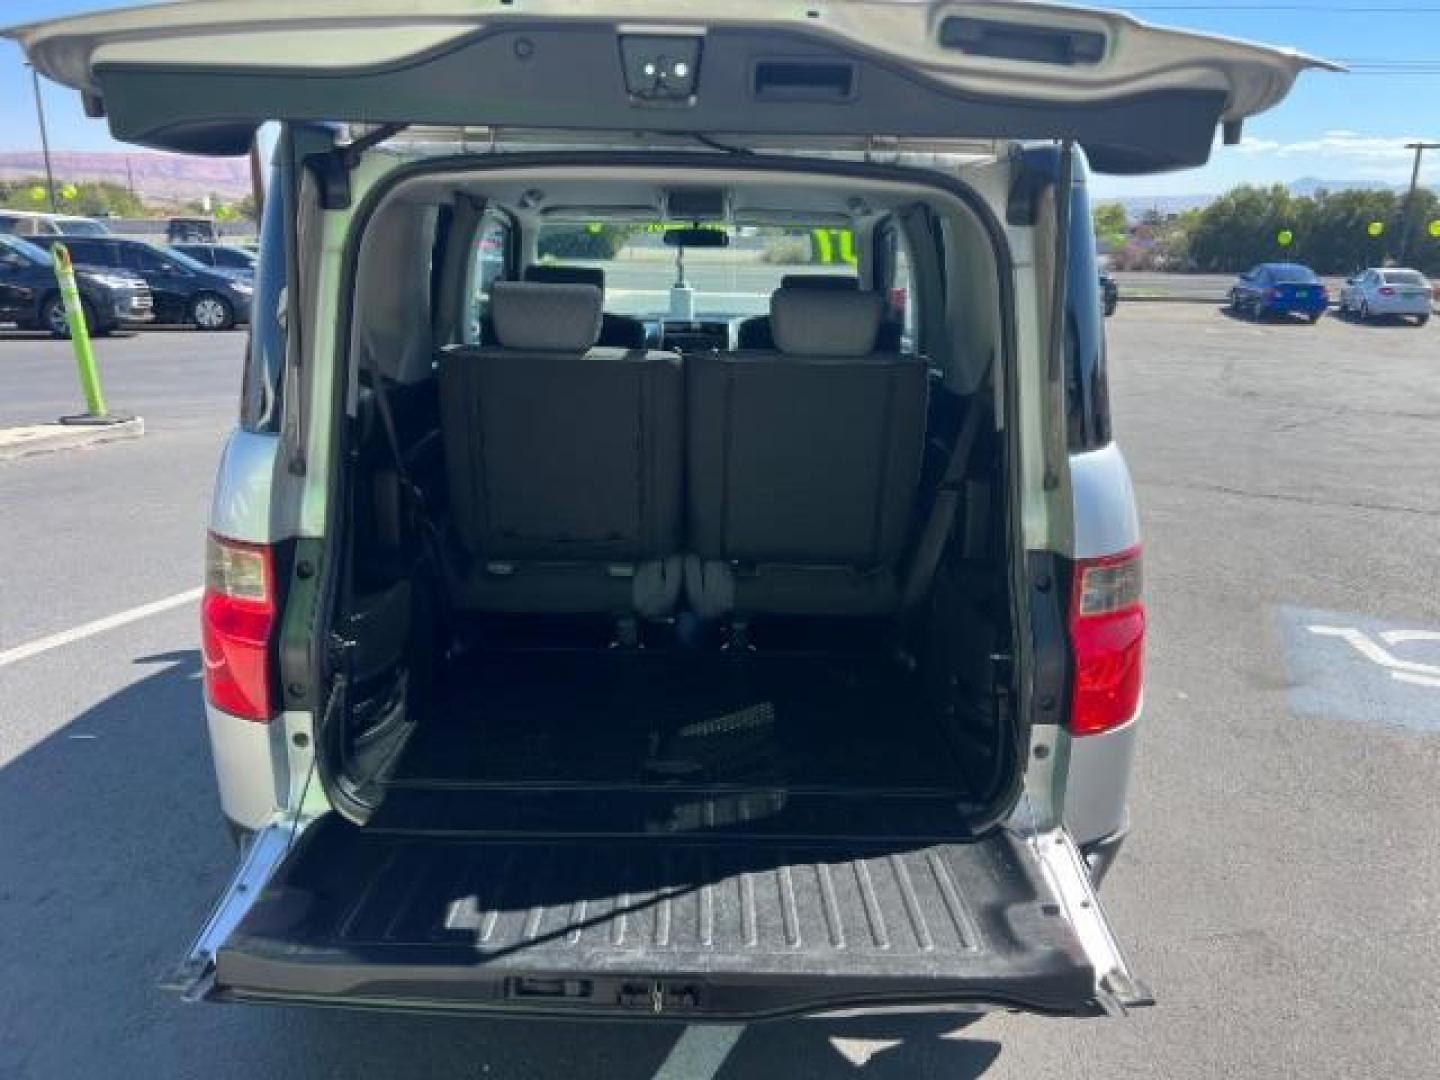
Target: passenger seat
x,y
804,464
563,461
755,333
616,331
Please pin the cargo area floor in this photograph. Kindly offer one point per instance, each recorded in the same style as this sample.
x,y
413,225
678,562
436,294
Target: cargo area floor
x,y
682,926
627,744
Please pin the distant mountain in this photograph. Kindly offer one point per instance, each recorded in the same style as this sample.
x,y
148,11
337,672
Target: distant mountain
x,y
1136,206
156,177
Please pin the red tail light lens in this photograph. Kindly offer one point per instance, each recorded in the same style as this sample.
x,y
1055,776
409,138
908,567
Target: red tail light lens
x,y
1387,291
1107,633
237,620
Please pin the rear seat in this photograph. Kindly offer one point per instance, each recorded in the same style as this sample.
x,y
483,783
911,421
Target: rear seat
x,y
803,465
563,461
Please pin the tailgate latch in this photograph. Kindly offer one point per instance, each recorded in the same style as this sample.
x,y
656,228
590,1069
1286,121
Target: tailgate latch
x,y
659,997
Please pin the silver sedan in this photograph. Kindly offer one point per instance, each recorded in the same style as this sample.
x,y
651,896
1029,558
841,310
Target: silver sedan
x,y
1388,292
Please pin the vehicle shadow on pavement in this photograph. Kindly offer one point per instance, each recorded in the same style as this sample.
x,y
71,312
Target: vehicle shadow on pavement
x,y
113,849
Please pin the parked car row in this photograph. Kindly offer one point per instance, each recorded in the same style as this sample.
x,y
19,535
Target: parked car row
x,y
124,282
1276,290
30,293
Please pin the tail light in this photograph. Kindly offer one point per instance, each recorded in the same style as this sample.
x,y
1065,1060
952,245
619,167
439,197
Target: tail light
x,y
1107,633
237,617
1272,294
1387,291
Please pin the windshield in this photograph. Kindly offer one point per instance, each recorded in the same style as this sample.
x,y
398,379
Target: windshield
x,y
81,227
33,252
641,270
179,257
1292,274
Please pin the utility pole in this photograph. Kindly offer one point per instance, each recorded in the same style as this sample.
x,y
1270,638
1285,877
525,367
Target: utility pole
x,y
44,138
1419,148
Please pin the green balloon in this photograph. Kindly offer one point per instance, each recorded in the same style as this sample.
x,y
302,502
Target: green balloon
x,y
1286,238
1435,229
1376,228
37,193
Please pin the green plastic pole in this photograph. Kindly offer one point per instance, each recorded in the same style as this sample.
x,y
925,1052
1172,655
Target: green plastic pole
x,y
79,333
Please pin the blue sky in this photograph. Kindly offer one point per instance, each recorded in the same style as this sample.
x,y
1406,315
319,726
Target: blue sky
x,y
1332,128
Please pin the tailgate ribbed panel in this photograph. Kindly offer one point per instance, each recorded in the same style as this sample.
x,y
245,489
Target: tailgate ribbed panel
x,y
675,900
746,927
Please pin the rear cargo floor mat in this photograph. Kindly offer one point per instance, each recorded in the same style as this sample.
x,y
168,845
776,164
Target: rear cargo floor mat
x,y
646,720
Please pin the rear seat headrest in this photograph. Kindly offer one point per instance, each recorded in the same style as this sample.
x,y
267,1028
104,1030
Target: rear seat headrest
x,y
556,274
839,282
545,318
825,322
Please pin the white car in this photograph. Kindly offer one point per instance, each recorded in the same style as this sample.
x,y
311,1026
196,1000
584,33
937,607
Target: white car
x,y
588,652
32,223
1387,293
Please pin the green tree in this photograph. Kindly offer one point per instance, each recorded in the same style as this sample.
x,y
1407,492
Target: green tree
x,y
89,198
1243,227
589,241
1112,226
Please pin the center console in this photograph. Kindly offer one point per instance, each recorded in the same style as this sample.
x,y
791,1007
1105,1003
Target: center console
x,y
695,335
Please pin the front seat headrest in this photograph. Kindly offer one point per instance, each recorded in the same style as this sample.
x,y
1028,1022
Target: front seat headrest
x,y
545,318
557,274
825,322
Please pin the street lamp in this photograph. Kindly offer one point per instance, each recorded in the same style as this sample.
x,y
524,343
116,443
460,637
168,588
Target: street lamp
x,y
44,137
1419,148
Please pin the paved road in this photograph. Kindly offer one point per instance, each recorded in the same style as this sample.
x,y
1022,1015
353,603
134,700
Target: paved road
x,y
1281,893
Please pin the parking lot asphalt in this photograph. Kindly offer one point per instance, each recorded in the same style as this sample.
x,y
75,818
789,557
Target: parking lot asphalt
x,y
1280,893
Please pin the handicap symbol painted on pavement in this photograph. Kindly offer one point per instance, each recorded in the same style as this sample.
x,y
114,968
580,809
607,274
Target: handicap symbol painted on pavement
x,y
1407,671
1367,670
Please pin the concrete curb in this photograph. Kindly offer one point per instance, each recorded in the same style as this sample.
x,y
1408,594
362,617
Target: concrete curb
x,y
19,442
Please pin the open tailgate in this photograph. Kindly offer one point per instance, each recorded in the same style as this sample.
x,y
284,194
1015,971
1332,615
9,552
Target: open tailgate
x,y
201,77
689,927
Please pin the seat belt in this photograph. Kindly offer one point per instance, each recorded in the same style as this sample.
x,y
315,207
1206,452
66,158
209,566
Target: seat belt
x,y
416,509
941,521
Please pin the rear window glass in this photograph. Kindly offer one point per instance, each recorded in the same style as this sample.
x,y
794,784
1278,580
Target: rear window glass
x,y
730,281
81,227
1290,274
1402,277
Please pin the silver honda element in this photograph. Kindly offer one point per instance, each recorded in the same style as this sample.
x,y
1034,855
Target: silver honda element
x,y
674,560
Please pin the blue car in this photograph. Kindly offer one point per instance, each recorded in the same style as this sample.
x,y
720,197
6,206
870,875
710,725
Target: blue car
x,y
1279,289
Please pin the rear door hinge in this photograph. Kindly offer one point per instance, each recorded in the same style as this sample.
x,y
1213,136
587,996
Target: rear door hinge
x,y
194,977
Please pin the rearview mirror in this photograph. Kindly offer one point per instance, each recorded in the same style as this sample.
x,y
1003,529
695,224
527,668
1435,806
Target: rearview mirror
x,y
697,237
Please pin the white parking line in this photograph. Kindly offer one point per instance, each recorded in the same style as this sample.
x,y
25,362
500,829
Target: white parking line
x,y
99,626
699,1053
